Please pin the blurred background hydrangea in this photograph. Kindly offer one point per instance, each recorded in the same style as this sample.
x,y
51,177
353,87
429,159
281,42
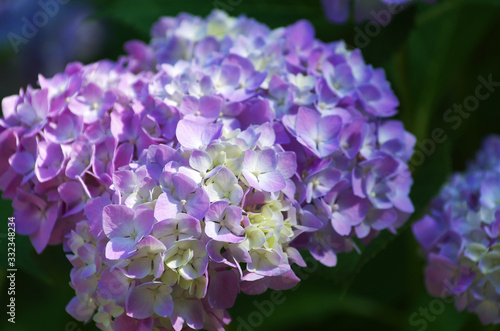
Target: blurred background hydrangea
x,y
339,11
433,56
44,36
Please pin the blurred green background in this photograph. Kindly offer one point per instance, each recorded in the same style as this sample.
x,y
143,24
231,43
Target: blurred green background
x,y
433,56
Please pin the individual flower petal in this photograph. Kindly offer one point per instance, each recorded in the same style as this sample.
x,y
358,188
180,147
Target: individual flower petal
x,y
149,298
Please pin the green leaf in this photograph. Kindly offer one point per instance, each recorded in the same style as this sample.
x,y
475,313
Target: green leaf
x,y
439,45
430,175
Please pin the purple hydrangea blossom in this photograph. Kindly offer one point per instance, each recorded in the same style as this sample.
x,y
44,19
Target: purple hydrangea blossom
x,y
459,236
167,247
92,103
205,159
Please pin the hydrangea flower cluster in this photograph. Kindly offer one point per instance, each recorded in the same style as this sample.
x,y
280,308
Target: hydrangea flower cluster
x,y
199,165
61,143
460,233
188,229
338,11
